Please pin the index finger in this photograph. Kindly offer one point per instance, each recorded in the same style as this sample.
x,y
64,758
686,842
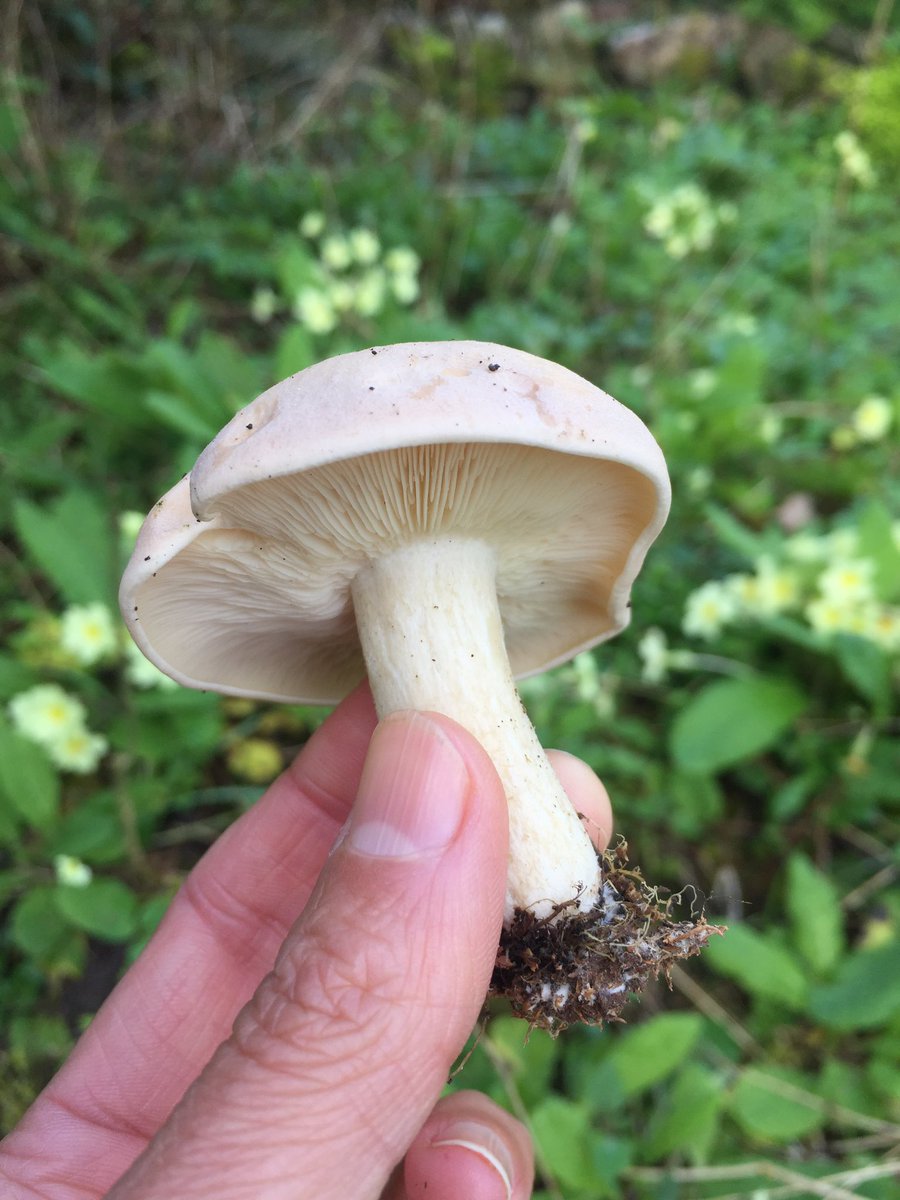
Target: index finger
x,y
178,1002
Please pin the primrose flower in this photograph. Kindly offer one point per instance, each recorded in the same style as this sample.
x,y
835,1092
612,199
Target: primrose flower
x,y
883,628
806,548
855,161
873,419
255,759
777,588
683,221
87,632
848,582
701,382
654,653
369,298
263,306
314,310
402,261
405,288
130,525
341,294
312,224
590,684
336,253
46,713
364,246
78,750
71,872
708,609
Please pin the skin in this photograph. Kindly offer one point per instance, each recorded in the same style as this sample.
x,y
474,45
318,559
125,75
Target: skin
x,y
261,1046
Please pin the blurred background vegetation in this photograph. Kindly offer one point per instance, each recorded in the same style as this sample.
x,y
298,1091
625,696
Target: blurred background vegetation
x,y
694,207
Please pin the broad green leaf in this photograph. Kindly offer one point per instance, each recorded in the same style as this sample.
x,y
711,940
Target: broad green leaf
x,y
179,414
38,928
105,908
817,922
295,351
562,1131
865,665
649,1052
28,781
759,965
38,1037
733,719
876,542
72,542
690,1116
14,676
530,1058
864,994
775,1106
732,533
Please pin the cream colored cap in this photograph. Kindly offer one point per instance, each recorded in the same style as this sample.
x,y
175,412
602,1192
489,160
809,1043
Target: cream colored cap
x,y
240,579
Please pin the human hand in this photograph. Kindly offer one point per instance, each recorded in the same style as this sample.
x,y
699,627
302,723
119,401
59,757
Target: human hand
x,y
288,1030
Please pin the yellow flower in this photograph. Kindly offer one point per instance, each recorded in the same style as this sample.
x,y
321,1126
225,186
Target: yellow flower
x,y
402,261
847,582
654,653
78,750
708,609
777,589
263,306
370,290
46,713
255,759
364,246
312,224
873,419
829,616
883,628
71,872
313,309
87,632
336,253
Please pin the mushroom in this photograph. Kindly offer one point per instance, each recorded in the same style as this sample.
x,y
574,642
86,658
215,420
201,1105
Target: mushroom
x,y
444,516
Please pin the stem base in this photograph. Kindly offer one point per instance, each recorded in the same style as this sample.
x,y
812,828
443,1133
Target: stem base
x,y
574,967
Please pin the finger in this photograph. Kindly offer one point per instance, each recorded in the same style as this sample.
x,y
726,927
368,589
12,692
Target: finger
x,y
341,1055
588,795
469,1147
178,1002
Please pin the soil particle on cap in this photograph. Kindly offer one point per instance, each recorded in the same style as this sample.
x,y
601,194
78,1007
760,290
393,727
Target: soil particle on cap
x,y
574,967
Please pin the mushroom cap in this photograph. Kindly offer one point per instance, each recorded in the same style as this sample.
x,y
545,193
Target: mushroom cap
x,y
240,578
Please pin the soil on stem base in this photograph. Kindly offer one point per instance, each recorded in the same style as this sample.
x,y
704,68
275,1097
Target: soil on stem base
x,y
574,967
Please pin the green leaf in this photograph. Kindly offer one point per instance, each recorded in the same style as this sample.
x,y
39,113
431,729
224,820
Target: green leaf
x,y
178,413
814,908
775,1106
865,665
28,780
876,542
295,351
733,719
649,1052
14,676
759,965
865,992
34,1038
531,1059
562,1132
106,909
38,928
690,1117
71,540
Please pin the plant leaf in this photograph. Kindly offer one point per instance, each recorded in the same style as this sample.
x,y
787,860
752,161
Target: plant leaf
x,y
733,719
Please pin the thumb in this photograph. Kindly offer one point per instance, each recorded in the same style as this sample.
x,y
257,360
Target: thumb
x,y
340,1056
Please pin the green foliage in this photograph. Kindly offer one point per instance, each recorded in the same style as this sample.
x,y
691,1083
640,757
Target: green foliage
x,y
726,266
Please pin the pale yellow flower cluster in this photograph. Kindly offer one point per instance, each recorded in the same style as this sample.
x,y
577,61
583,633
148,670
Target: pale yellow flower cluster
x,y
352,276
870,422
854,160
825,579
686,220
87,633
56,721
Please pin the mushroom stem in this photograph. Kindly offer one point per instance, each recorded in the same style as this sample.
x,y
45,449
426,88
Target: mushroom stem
x,y
432,635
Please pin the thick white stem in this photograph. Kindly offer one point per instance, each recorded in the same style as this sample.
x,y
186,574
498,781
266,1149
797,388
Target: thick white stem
x,y
432,636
